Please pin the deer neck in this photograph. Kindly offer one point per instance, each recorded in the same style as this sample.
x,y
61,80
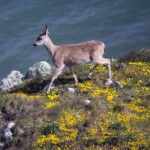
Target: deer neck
x,y
51,48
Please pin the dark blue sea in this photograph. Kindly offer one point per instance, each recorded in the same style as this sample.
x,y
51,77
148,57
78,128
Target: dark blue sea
x,y
123,25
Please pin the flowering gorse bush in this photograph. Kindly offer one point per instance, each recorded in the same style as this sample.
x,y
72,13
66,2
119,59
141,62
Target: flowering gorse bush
x,y
52,99
116,118
68,132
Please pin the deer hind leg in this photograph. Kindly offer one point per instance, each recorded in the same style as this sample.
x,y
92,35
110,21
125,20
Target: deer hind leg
x,y
92,70
106,61
72,72
55,75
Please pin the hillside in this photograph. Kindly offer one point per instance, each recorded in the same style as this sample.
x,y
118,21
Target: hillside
x,y
94,116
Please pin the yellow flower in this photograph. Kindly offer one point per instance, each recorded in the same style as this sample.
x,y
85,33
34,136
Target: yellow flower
x,y
53,96
92,131
109,93
86,86
51,138
49,105
100,68
29,97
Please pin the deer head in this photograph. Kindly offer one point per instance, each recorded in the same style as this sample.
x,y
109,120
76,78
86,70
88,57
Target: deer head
x,y
42,38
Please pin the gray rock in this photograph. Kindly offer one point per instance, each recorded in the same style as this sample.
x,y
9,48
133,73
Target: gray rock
x,y
71,90
7,133
87,102
12,79
2,144
108,82
39,69
10,125
117,84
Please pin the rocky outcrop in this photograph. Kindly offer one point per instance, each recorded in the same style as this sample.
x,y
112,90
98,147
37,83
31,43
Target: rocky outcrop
x,y
7,133
13,79
39,69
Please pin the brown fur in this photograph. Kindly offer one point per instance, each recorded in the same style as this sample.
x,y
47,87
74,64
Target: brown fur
x,y
77,54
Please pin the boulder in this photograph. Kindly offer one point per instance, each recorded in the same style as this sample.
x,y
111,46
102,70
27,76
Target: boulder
x,y
12,79
39,69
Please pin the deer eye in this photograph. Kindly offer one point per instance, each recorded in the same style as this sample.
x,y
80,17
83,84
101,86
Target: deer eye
x,y
39,39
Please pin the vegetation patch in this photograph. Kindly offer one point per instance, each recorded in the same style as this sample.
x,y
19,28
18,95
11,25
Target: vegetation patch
x,y
142,55
116,118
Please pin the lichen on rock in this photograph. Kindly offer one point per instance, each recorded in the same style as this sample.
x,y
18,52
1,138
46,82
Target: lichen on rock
x,y
39,69
12,79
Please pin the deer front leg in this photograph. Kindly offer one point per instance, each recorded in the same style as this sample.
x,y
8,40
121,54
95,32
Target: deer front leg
x,y
75,77
92,70
106,61
109,69
55,75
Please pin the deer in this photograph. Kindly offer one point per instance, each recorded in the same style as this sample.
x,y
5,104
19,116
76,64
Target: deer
x,y
72,55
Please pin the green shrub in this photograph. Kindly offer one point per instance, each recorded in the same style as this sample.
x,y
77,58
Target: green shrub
x,y
142,55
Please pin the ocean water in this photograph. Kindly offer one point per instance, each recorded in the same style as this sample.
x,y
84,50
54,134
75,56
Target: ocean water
x,y
123,25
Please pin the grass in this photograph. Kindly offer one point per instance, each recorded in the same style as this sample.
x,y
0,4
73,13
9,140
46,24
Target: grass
x,y
116,119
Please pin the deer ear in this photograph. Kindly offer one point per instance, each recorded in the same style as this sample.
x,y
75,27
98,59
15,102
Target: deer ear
x,y
47,29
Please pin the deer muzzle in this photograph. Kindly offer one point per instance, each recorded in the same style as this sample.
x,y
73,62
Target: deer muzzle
x,y
35,45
